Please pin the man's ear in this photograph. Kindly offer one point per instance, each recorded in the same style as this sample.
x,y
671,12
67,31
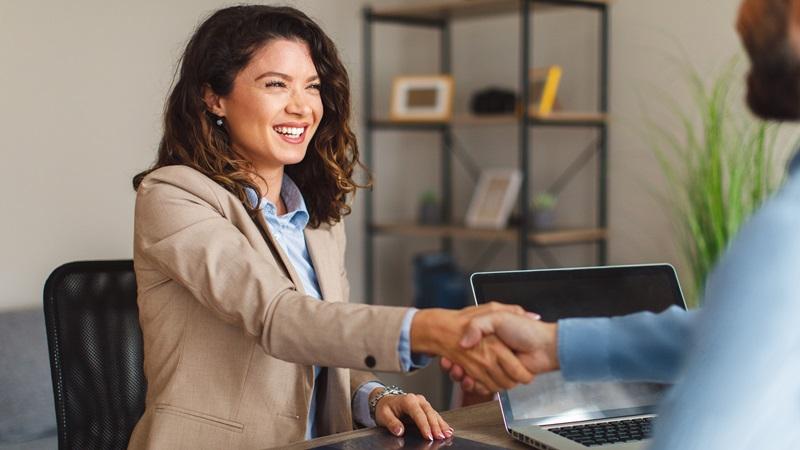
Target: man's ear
x,y
214,103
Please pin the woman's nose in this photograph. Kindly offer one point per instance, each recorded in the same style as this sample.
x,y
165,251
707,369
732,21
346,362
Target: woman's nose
x,y
298,104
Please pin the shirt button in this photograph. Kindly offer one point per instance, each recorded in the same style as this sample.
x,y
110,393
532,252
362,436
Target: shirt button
x,y
370,361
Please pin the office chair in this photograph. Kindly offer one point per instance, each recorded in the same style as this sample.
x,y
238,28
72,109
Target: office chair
x,y
95,345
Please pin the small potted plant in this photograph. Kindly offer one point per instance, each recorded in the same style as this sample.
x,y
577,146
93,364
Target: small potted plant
x,y
543,210
429,209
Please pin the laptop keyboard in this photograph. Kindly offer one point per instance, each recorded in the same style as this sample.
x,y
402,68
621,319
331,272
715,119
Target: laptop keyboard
x,y
594,434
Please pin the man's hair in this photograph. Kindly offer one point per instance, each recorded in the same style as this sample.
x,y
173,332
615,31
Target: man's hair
x,y
773,83
219,49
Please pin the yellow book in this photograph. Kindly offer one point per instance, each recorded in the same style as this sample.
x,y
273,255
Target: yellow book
x,y
550,90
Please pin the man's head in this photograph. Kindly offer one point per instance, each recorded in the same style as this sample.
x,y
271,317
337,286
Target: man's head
x,y
770,32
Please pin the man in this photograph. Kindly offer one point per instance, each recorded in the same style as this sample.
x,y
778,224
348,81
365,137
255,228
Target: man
x,y
737,363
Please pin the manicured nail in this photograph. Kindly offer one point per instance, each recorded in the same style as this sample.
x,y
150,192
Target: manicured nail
x,y
448,433
441,436
398,431
430,438
534,316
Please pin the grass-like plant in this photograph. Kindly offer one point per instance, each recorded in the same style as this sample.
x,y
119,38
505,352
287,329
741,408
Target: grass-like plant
x,y
718,166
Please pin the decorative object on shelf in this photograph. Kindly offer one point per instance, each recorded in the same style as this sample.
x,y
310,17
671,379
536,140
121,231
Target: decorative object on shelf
x,y
422,98
493,198
718,165
493,100
543,211
544,89
438,282
430,211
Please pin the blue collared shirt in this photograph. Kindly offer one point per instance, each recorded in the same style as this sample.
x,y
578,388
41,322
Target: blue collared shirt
x,y
737,361
740,387
288,231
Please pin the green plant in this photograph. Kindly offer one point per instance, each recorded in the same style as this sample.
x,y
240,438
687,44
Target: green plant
x,y
428,197
544,201
719,170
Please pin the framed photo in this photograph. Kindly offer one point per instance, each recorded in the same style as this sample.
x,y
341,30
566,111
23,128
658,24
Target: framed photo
x,y
544,89
494,198
422,98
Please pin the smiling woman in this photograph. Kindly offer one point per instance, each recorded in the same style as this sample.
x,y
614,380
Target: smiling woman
x,y
269,78
239,255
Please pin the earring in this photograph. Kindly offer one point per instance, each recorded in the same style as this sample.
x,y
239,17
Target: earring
x,y
219,122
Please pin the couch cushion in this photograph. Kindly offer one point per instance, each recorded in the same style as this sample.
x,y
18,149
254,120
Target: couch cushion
x,y
26,393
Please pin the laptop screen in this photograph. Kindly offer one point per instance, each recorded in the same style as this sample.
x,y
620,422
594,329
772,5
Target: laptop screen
x,y
582,292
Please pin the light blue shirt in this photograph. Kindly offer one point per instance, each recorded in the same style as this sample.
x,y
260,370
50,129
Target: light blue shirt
x,y
737,362
288,231
637,347
740,387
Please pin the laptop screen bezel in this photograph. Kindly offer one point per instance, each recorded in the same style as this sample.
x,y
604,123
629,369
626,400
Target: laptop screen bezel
x,y
479,278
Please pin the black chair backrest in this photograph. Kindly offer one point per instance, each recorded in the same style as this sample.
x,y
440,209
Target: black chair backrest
x,y
96,349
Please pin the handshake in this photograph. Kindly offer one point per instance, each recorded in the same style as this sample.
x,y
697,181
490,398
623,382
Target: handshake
x,y
490,347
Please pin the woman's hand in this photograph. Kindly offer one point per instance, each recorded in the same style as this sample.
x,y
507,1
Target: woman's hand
x,y
392,408
491,363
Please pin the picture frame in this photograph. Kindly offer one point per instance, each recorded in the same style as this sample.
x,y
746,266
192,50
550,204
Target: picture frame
x,y
544,89
494,198
422,98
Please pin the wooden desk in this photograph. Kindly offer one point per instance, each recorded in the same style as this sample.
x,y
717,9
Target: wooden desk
x,y
482,423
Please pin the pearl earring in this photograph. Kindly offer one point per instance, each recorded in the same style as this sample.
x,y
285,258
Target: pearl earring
x,y
219,122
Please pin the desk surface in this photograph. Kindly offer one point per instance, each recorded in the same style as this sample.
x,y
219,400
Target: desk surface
x,y
482,423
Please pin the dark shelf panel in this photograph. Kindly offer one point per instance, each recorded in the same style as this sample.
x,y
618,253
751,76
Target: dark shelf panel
x,y
560,118
548,237
453,9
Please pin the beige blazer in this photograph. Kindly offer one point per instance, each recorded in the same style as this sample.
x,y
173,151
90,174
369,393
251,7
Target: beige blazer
x,y
229,336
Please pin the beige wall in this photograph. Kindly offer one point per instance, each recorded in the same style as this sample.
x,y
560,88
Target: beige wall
x,y
83,88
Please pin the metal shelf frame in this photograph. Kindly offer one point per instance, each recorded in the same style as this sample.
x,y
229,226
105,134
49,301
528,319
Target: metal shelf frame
x,y
439,19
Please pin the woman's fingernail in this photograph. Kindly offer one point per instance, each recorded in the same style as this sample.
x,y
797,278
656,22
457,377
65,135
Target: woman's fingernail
x,y
448,433
398,431
430,438
441,436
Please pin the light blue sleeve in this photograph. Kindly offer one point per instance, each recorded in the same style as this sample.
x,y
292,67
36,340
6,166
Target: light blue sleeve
x,y
637,347
410,361
741,384
361,403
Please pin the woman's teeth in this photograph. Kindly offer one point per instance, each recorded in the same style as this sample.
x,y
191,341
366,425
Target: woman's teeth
x,y
294,132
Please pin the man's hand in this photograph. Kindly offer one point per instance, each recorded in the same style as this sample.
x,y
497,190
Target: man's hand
x,y
533,341
490,361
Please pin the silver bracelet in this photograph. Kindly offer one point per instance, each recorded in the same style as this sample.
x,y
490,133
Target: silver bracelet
x,y
388,390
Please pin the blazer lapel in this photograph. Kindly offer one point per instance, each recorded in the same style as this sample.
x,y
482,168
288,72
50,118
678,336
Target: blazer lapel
x,y
277,249
319,244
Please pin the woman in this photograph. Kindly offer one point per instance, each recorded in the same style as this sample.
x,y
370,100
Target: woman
x,y
238,236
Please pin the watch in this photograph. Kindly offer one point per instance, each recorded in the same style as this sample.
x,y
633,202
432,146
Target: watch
x,y
388,390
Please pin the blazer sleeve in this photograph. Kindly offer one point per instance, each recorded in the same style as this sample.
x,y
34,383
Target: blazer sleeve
x,y
181,231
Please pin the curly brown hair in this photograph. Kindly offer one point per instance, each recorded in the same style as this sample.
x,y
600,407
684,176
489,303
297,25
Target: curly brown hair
x,y
219,49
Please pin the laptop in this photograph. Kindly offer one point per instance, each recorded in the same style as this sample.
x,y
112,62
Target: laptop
x,y
551,413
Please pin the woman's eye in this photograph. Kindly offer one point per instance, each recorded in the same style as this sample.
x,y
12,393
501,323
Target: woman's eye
x,y
316,86
275,84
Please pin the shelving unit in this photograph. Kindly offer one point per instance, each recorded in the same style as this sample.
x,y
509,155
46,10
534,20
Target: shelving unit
x,y
437,15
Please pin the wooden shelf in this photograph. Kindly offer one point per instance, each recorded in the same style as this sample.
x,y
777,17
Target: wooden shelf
x,y
559,118
444,9
550,237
